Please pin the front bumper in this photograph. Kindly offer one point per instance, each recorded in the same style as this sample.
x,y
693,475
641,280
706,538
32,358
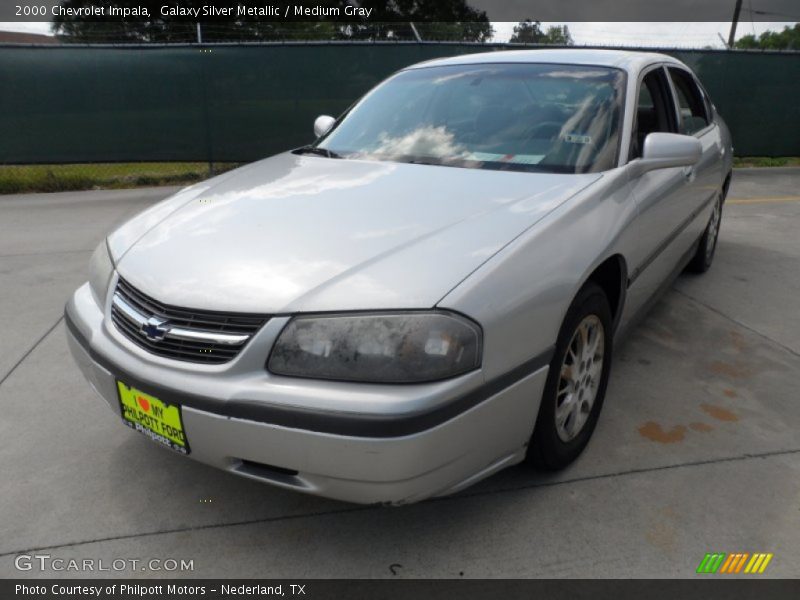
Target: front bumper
x,y
355,442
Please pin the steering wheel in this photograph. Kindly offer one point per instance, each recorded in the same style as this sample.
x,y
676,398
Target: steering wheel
x,y
544,130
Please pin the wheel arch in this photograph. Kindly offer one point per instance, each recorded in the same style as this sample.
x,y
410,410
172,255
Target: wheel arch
x,y
726,185
612,277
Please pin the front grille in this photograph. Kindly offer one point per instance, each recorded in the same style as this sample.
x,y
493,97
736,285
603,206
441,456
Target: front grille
x,y
188,321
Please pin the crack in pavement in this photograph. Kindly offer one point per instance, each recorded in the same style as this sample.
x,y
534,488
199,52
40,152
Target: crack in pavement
x,y
30,350
764,336
455,498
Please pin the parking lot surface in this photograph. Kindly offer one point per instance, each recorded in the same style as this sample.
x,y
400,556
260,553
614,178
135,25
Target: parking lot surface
x,y
697,449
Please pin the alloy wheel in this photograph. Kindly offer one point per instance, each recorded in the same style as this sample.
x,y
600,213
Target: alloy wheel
x,y
581,370
713,231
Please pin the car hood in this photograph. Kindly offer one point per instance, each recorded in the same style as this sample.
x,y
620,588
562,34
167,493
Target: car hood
x,y
306,233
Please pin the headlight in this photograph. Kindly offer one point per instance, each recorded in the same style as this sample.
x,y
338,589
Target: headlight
x,y
409,347
100,270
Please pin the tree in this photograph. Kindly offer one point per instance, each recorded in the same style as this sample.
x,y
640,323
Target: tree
x,y
436,19
788,39
558,34
530,32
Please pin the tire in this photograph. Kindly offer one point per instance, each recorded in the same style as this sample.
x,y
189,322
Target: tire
x,y
551,446
702,259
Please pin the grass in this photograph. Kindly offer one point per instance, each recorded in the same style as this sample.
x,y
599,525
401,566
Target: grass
x,y
766,161
17,179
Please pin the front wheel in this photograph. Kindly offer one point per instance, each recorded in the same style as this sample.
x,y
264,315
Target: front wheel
x,y
576,382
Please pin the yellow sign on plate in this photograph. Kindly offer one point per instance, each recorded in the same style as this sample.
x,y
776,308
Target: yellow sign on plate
x,y
159,421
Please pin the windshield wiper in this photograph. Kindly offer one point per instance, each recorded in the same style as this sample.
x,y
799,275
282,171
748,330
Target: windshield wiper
x,y
318,151
422,161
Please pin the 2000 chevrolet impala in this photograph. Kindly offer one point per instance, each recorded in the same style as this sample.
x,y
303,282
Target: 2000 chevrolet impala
x,y
428,293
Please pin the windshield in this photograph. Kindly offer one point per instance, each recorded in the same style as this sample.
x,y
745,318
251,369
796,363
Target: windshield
x,y
528,117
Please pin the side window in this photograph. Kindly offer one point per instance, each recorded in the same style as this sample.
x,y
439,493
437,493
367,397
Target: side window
x,y
645,99
654,110
692,107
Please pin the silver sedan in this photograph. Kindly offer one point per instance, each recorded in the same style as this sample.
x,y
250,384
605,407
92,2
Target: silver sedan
x,y
428,293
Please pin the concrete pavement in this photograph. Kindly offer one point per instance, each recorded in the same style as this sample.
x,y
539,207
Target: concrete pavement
x,y
697,449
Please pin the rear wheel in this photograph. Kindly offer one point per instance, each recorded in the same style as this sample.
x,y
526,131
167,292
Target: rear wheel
x,y
704,256
576,382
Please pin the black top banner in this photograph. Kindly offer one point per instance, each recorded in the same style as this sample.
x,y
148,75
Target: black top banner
x,y
420,11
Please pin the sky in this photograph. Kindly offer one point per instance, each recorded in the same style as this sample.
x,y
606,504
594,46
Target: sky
x,y
680,35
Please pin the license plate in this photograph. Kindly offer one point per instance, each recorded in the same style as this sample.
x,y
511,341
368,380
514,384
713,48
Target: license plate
x,y
156,419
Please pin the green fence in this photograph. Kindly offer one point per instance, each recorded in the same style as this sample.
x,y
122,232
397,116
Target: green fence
x,y
239,103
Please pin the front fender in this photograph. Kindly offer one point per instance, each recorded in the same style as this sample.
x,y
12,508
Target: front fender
x,y
521,295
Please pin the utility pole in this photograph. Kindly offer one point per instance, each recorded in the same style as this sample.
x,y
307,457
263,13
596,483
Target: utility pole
x,y
736,11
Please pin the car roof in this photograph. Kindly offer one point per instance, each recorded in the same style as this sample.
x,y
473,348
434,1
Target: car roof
x,y
621,59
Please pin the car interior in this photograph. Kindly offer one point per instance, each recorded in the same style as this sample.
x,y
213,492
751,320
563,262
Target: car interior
x,y
567,126
654,111
655,107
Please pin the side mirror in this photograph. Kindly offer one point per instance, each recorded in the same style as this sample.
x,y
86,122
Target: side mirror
x,y
322,124
665,150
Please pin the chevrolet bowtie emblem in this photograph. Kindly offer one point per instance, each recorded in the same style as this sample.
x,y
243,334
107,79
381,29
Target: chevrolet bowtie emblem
x,y
155,329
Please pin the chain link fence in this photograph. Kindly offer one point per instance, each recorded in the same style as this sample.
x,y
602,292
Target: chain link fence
x,y
217,32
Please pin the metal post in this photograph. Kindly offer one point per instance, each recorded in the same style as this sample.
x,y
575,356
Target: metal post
x,y
206,123
416,33
199,33
736,11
